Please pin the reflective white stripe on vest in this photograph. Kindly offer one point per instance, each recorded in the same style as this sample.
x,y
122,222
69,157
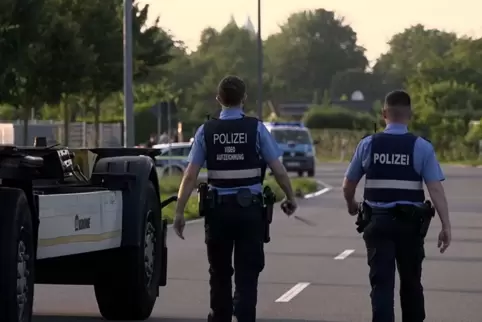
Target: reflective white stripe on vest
x,y
394,184
234,174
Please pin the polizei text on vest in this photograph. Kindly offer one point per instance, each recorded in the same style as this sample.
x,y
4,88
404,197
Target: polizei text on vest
x,y
389,158
232,139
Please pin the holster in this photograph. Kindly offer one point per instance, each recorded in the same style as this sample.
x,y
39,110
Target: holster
x,y
203,195
363,217
426,214
269,199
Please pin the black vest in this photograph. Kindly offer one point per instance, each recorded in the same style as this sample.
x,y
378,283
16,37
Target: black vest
x,y
232,157
391,176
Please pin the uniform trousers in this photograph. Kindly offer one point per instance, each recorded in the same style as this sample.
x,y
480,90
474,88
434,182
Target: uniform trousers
x,y
395,243
230,229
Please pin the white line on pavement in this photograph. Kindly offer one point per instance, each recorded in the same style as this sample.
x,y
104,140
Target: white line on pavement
x,y
344,254
318,193
295,290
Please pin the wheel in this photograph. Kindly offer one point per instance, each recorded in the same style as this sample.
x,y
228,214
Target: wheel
x,y
311,173
300,173
129,288
17,254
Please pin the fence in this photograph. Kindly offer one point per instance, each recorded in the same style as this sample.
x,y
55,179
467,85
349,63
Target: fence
x,y
80,134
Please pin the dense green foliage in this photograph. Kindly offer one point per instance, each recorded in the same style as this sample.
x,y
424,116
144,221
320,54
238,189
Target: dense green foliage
x,y
62,59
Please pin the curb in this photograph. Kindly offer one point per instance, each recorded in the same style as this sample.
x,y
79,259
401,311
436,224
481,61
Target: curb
x,y
323,188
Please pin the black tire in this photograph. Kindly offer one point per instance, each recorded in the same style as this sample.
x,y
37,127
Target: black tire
x,y
311,173
16,243
124,291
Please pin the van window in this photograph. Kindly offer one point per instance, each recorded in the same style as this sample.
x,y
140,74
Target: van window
x,y
287,135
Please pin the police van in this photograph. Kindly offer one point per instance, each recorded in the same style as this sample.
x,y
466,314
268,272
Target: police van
x,y
294,139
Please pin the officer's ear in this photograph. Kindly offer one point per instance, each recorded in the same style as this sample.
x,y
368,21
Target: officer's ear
x,y
384,112
218,99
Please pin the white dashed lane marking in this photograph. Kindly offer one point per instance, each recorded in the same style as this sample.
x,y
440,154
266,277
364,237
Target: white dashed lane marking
x,y
295,290
344,254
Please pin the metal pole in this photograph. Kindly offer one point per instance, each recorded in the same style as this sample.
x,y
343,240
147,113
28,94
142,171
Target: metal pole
x,y
169,133
129,139
260,65
159,121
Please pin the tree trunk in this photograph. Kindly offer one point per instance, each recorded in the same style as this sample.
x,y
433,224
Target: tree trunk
x,y
66,112
97,123
26,116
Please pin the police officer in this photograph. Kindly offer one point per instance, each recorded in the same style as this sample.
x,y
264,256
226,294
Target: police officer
x,y
236,149
396,163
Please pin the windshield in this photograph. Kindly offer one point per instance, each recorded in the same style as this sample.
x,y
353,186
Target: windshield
x,y
294,136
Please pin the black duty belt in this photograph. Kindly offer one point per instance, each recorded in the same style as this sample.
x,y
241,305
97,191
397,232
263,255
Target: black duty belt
x,y
241,199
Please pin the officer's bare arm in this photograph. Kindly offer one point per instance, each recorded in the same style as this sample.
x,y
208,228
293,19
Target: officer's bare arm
x,y
437,194
349,189
188,184
282,178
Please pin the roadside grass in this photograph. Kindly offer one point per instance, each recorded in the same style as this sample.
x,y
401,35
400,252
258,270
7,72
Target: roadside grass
x,y
170,185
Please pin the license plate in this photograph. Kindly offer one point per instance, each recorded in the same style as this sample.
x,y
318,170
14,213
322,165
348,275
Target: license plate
x,y
292,164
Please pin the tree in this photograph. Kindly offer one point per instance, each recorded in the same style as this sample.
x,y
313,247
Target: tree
x,y
229,51
311,48
409,51
101,29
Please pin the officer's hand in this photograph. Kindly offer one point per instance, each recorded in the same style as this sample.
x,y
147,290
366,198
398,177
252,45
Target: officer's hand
x,y
289,206
178,225
353,207
444,239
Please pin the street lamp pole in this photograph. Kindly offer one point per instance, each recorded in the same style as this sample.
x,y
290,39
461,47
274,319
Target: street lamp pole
x,y
260,65
129,136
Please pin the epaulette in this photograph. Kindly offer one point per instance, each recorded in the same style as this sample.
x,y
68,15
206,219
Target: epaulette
x,y
423,137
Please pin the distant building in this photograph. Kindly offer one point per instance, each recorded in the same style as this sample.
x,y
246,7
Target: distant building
x,y
248,25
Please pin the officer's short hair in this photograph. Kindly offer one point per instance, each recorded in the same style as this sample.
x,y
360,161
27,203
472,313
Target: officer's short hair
x,y
231,90
398,98
398,105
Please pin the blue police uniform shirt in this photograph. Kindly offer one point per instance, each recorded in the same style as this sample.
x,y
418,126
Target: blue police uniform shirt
x,y
424,162
265,144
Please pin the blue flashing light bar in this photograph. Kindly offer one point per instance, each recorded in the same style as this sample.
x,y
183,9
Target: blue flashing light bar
x,y
297,124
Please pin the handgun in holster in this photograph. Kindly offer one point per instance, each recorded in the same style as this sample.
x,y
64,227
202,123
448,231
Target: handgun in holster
x,y
426,215
204,199
269,199
363,217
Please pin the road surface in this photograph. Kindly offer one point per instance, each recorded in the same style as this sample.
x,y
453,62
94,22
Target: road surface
x,y
313,273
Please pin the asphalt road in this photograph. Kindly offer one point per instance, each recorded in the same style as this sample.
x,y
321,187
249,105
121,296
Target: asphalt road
x,y
313,273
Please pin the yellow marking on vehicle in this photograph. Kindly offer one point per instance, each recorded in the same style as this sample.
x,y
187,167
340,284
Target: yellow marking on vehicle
x,y
74,239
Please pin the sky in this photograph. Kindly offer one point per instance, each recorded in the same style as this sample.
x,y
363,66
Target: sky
x,y
375,21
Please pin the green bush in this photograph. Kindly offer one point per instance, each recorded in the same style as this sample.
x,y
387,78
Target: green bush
x,y
190,212
320,117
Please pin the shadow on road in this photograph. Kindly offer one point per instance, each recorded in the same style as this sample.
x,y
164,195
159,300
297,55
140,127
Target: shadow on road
x,y
57,318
